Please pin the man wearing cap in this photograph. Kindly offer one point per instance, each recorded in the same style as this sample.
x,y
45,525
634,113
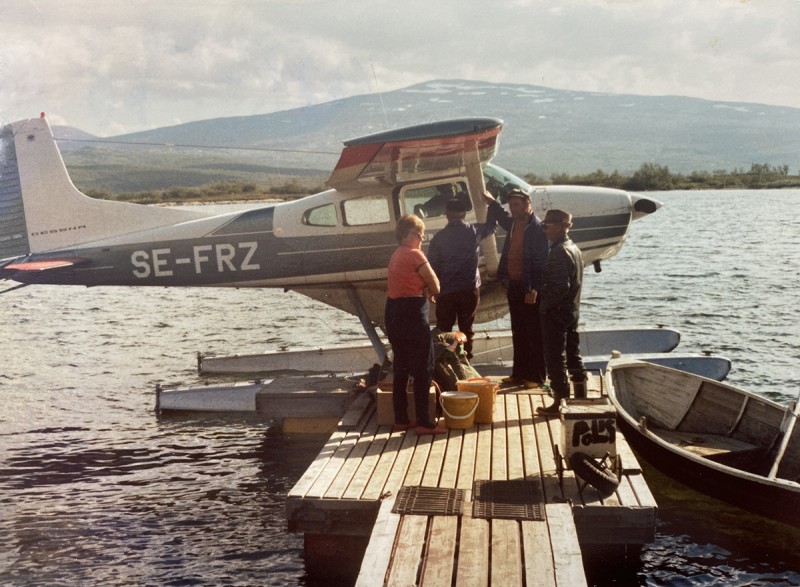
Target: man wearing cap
x,y
453,254
520,268
559,304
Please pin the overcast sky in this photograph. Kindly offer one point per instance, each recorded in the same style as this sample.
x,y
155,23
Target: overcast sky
x,y
109,66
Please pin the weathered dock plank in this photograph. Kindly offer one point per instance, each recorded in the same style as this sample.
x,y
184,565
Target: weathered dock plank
x,y
351,463
566,550
435,464
408,551
483,456
539,563
379,551
440,551
369,465
473,570
336,462
466,465
530,450
437,570
505,560
391,466
514,452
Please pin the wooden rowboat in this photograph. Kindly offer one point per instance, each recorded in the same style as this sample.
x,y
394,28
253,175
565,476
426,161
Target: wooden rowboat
x,y
731,444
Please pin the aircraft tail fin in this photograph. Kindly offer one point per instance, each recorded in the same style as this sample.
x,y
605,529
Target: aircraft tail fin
x,y
41,210
13,235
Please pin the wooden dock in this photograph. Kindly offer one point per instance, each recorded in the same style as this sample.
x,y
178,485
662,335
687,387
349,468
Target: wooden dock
x,y
347,496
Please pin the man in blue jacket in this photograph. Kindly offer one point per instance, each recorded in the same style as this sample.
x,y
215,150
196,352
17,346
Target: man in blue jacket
x,y
520,269
453,254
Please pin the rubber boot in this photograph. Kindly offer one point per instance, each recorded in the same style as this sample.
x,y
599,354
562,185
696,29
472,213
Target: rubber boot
x,y
552,409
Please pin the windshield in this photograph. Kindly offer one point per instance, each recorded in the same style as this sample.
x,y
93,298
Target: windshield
x,y
499,182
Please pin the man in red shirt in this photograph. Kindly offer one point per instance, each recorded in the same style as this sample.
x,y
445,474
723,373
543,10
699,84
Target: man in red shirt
x,y
520,269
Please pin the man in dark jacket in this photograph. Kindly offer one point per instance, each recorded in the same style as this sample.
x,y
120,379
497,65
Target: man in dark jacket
x,y
453,254
559,305
520,269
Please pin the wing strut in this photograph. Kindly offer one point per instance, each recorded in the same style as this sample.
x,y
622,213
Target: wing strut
x,y
476,188
369,327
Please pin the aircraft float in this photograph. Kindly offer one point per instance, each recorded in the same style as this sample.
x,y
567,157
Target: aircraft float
x,y
333,246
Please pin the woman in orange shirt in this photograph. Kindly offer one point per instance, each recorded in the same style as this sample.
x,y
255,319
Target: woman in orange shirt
x,y
407,327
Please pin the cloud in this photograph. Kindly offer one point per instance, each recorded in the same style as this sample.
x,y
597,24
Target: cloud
x,y
110,68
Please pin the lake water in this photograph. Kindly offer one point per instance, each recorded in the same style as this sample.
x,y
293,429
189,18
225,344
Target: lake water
x,y
95,489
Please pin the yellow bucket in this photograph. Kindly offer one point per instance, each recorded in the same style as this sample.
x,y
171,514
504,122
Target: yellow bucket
x,y
486,391
459,408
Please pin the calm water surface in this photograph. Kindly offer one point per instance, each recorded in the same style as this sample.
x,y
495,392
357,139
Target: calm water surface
x,y
95,489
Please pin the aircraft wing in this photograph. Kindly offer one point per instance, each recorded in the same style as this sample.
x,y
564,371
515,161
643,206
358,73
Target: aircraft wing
x,y
430,150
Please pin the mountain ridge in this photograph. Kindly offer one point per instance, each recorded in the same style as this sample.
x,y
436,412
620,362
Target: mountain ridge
x,y
546,130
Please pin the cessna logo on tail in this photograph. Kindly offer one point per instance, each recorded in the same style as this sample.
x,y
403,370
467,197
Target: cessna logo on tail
x,y
57,230
221,258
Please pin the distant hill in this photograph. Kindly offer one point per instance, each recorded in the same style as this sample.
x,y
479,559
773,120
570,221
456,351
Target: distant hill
x,y
70,132
547,131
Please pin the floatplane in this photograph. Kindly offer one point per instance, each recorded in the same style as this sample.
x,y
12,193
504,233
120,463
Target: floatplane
x,y
333,246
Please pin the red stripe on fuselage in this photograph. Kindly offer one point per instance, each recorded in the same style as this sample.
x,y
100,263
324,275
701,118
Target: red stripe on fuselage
x,y
39,265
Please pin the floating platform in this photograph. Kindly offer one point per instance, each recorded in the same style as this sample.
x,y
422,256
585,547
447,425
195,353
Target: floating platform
x,y
280,399
346,502
290,390
317,396
711,366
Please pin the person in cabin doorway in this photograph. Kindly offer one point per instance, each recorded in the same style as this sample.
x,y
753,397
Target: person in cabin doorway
x,y
436,205
520,269
454,252
559,305
406,315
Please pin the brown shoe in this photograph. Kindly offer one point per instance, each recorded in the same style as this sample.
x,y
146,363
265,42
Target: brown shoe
x,y
531,384
511,380
401,427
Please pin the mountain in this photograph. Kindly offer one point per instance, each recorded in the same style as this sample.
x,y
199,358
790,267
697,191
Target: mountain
x,y
70,133
546,130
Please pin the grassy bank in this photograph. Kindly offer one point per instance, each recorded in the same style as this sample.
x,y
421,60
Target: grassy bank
x,y
215,192
649,177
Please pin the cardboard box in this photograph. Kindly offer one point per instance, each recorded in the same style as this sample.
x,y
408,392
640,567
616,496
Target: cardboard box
x,y
588,426
386,410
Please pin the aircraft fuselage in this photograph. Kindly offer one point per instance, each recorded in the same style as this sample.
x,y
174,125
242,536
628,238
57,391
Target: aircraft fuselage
x,y
333,246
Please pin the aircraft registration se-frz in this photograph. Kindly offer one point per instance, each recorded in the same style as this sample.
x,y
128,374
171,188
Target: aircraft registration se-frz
x,y
333,246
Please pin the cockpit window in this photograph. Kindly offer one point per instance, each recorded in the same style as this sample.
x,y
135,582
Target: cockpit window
x,y
366,210
320,216
499,182
429,201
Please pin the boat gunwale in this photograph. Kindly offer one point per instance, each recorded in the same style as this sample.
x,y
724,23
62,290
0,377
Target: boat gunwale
x,y
648,434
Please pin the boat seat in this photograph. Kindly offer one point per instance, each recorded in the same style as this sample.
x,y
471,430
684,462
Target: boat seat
x,y
711,446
